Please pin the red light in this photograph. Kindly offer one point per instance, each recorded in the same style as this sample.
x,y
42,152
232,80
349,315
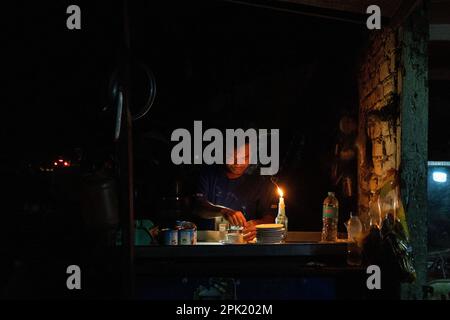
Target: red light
x,y
66,164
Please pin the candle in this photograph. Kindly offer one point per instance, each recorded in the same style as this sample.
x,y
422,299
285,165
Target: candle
x,y
281,202
281,217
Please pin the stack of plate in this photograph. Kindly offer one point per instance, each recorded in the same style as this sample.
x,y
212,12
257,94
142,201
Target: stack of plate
x,y
269,233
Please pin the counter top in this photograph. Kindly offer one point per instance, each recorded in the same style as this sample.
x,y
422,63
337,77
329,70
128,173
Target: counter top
x,y
303,256
298,244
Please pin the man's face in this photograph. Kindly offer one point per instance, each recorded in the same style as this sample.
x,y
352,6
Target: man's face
x,y
238,162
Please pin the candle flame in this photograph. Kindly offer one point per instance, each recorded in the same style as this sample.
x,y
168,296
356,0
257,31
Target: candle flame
x,y
280,192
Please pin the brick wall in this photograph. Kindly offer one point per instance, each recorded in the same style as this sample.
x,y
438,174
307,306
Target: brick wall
x,y
393,126
379,130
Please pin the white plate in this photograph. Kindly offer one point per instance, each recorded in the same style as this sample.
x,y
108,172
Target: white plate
x,y
269,226
270,232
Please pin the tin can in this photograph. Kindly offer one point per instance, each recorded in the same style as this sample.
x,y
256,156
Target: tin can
x,y
169,237
187,236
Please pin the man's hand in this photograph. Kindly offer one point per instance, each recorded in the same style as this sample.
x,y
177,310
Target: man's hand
x,y
250,227
235,218
250,230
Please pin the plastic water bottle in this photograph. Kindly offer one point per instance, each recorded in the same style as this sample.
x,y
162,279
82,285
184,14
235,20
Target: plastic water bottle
x,y
354,233
330,213
354,228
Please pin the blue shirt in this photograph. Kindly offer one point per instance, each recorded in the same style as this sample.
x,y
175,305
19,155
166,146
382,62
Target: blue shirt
x,y
252,194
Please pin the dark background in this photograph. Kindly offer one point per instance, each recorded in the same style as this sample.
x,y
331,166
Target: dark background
x,y
439,114
225,64
228,65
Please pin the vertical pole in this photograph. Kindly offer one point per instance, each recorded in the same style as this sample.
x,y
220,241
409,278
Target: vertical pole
x,y
129,209
414,140
126,172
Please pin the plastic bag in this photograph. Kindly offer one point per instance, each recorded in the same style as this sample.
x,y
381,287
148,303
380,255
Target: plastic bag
x,y
389,245
396,248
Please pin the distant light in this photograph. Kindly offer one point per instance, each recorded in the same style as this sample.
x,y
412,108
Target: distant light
x,y
439,176
66,164
61,160
55,163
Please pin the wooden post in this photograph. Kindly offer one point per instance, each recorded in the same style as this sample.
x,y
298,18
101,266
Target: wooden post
x,y
414,139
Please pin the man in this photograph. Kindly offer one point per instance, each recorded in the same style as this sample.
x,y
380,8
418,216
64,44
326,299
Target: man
x,y
231,192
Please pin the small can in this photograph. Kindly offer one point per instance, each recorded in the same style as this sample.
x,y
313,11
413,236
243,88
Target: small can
x,y
169,237
187,236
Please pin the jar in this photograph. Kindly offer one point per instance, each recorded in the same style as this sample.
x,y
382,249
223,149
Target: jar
x,y
235,235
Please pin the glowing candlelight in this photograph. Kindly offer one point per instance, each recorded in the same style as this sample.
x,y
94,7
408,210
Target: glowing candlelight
x,y
280,192
281,202
281,217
